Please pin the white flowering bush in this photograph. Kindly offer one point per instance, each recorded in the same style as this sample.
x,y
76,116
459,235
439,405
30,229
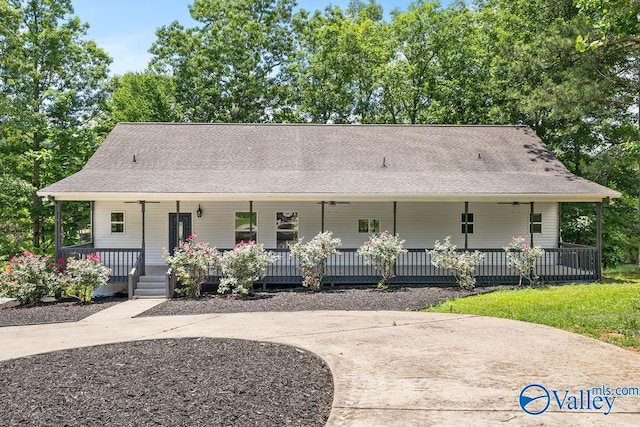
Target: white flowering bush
x,y
312,257
190,263
29,277
85,275
462,264
382,251
242,266
523,258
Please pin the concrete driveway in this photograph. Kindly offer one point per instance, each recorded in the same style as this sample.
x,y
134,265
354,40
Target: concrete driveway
x,y
401,368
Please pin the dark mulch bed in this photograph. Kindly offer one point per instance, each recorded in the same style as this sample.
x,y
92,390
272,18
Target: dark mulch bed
x,y
173,382
65,310
365,299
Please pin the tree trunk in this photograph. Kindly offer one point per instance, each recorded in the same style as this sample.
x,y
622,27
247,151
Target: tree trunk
x,y
638,142
36,205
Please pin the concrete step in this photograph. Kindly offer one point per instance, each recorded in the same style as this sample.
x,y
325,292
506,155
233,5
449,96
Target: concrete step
x,y
151,279
149,293
150,285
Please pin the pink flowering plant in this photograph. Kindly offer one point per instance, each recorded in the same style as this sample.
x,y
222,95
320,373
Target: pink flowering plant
x,y
242,266
382,250
85,275
191,262
462,264
29,277
523,258
312,257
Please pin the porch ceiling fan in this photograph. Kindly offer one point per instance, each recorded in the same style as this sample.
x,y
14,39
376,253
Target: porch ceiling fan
x,y
141,201
333,203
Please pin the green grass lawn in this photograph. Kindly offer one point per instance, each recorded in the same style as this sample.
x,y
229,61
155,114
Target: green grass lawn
x,y
608,311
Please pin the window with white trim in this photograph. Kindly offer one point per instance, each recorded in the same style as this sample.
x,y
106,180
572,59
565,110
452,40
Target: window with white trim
x,y
117,222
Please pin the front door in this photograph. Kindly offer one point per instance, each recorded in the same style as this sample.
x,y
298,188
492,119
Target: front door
x,y
178,231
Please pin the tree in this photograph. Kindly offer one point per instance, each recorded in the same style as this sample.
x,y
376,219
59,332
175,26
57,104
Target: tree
x,y
617,34
340,58
51,84
408,81
143,97
228,68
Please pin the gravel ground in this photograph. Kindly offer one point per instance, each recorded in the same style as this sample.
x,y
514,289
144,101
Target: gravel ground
x,y
69,310
366,299
174,382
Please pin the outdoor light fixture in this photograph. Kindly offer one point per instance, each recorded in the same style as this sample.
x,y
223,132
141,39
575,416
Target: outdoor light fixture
x,y
199,211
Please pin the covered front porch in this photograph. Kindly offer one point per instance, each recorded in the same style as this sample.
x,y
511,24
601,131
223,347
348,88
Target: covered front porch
x,y
137,272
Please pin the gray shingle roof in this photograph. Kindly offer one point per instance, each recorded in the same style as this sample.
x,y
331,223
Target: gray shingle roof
x,y
332,161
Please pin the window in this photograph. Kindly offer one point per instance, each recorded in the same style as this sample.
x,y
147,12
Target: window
x,y
117,222
246,230
467,223
536,223
368,225
286,229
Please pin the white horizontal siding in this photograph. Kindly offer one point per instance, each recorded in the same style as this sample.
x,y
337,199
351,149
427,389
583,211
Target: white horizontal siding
x,y
419,223
132,236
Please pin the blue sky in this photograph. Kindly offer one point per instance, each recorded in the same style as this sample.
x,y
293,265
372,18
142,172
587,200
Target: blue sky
x,y
126,28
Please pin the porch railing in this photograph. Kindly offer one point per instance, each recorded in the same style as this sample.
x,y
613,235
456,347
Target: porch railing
x,y
568,263
119,260
557,265
134,275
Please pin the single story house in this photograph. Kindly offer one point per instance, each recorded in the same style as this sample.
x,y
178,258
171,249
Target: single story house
x,y
153,184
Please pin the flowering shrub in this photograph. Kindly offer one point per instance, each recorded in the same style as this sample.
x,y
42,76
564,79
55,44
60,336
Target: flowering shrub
x,y
190,263
381,251
523,258
313,256
28,278
462,265
84,276
246,263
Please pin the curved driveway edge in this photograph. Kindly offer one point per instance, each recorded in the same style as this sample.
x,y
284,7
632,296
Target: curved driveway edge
x,y
395,368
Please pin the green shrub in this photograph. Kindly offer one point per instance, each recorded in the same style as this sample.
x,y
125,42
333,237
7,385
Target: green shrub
x,y
382,251
190,263
245,264
523,258
29,277
312,257
461,264
83,276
